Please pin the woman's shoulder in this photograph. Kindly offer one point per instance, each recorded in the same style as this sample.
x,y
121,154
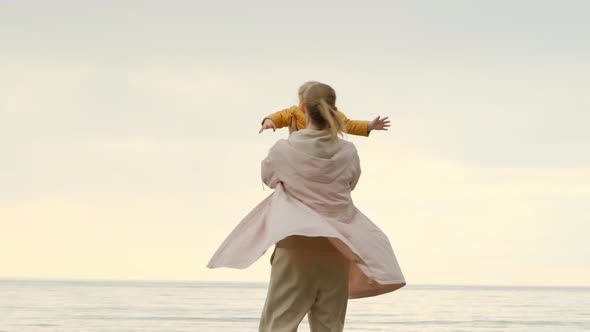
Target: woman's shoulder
x,y
347,145
285,147
280,145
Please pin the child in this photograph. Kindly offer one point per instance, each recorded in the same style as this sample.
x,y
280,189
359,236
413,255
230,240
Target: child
x,y
294,117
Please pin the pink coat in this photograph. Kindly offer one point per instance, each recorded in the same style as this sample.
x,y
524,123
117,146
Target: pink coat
x,y
312,198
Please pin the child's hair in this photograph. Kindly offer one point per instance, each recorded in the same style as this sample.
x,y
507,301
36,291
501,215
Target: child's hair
x,y
320,104
304,87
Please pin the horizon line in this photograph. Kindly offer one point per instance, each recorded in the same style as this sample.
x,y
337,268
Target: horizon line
x,y
233,282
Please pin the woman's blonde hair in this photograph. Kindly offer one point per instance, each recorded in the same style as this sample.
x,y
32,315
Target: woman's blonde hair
x,y
319,101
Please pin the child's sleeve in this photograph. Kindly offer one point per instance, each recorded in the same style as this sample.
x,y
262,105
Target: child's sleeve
x,y
354,127
282,118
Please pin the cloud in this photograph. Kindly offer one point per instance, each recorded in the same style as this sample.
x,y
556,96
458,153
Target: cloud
x,y
140,146
31,87
107,235
472,224
190,82
449,222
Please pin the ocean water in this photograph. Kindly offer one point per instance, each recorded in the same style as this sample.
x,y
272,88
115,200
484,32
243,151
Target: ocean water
x,y
92,306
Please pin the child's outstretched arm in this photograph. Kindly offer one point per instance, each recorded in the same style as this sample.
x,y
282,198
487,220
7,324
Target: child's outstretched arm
x,y
363,128
278,119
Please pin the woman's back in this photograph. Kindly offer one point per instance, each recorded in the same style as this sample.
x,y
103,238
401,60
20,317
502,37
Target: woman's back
x,y
317,170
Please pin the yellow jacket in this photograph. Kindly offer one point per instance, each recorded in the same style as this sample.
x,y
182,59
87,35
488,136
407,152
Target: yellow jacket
x,y
283,119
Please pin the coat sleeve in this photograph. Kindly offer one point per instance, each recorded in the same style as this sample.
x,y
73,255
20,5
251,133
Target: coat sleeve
x,y
269,173
355,127
356,170
282,118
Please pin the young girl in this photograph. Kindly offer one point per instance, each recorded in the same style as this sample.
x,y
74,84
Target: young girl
x,y
293,116
326,250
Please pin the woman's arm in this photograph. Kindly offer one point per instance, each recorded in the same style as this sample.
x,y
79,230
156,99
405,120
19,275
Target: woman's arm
x,y
269,173
356,170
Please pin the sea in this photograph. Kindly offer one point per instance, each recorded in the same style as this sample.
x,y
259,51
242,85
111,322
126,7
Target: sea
x,y
117,306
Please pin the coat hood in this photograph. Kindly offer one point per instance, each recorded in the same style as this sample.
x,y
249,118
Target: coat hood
x,y
316,156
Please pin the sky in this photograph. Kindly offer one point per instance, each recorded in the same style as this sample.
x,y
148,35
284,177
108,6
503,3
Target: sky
x,y
129,144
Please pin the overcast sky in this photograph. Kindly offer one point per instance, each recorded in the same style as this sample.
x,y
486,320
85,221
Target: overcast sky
x,y
129,143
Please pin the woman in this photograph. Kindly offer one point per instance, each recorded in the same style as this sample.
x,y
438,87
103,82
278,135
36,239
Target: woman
x,y
326,250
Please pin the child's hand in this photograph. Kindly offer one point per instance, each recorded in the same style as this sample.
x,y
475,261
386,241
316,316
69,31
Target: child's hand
x,y
379,124
268,124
